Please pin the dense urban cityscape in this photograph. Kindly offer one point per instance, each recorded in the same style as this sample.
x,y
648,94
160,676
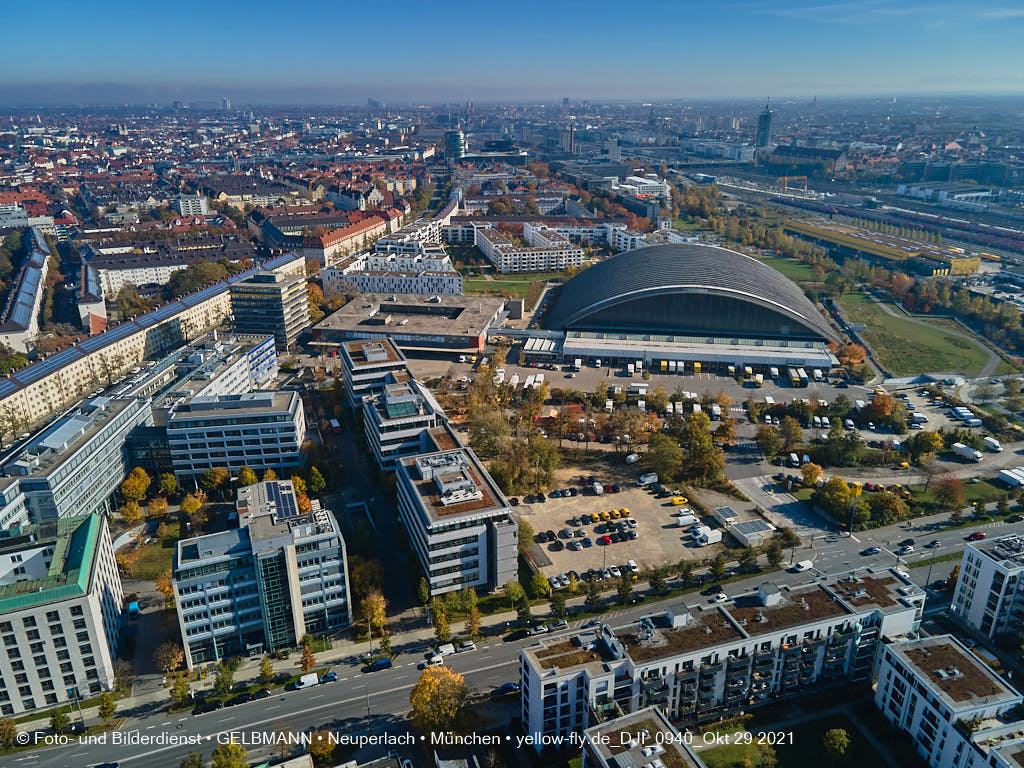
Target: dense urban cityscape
x,y
511,431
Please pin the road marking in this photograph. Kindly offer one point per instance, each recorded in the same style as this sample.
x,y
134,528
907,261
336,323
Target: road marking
x,y
151,726
318,696
276,706
168,722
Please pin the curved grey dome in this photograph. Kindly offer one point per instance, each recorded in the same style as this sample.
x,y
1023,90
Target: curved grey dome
x,y
686,288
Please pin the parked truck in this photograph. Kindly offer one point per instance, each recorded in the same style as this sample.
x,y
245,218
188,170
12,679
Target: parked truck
x,y
966,452
993,445
706,535
716,411
648,479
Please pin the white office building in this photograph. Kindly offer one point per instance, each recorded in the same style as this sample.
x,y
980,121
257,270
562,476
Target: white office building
x,y
397,420
259,430
459,522
60,613
368,365
74,465
260,588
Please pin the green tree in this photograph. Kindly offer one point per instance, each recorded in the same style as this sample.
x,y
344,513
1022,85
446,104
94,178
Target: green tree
x,y
748,559
8,732
442,629
317,483
593,598
473,617
1003,505
624,590
704,460
773,551
59,721
718,567
179,688
768,441
836,741
246,477
539,585
514,592
423,591
526,535
790,433
229,755
557,604
887,508
665,456
107,707
658,581
225,678
686,572
192,760
266,670
168,484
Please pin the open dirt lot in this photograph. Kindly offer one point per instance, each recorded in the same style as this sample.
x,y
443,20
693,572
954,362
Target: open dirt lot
x,y
660,542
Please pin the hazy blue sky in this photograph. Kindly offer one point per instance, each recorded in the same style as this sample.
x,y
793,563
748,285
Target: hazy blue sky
x,y
312,51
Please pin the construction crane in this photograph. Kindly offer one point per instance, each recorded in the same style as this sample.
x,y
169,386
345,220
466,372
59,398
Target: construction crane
x,y
783,182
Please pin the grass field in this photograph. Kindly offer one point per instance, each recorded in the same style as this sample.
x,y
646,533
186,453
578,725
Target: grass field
x,y
907,348
795,270
157,556
806,749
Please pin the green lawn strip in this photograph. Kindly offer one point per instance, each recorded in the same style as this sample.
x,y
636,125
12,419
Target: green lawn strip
x,y
904,347
795,270
157,556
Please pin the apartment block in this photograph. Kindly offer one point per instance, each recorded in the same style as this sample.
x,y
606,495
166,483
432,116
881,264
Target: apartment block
x,y
397,420
74,465
459,522
988,596
552,253
704,662
429,271
274,303
259,430
261,587
368,365
956,711
60,613
641,739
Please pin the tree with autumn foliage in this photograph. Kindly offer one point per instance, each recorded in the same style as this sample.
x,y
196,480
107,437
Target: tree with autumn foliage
x,y
136,484
438,698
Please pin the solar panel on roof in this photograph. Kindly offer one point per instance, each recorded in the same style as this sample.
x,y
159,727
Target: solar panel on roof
x,y
114,334
151,318
21,315
198,298
45,367
7,387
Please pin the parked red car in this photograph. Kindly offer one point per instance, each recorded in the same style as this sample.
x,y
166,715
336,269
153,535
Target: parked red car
x,y
605,540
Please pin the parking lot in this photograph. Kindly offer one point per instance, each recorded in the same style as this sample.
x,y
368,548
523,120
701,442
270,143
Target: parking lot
x,y
658,540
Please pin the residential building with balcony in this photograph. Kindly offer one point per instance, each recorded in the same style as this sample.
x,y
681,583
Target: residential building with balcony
x,y
706,662
989,596
642,738
260,588
956,711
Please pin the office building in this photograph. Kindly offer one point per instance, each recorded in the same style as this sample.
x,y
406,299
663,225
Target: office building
x,y
454,146
641,739
259,430
36,392
269,302
989,596
60,613
396,421
367,366
701,663
450,323
459,522
260,588
74,465
955,710
764,128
